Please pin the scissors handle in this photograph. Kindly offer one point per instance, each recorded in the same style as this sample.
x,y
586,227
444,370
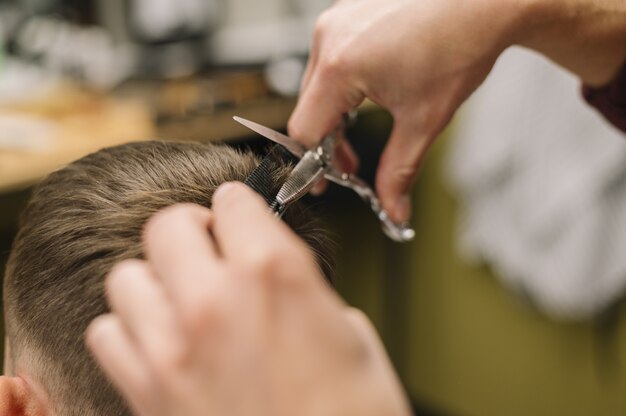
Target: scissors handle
x,y
397,232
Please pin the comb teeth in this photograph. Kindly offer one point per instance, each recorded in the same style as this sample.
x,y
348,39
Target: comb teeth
x,y
261,179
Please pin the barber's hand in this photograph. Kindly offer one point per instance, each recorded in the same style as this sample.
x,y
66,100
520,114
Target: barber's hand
x,y
418,59
229,315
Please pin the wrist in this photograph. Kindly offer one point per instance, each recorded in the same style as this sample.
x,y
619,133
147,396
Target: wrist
x,y
587,37
514,21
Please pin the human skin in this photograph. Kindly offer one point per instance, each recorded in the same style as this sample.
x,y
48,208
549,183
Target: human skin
x,y
422,59
238,321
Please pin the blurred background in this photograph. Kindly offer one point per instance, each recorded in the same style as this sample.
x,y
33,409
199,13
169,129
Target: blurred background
x,y
509,301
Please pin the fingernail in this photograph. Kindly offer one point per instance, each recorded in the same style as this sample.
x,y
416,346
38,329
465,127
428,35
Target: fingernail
x,y
222,190
402,209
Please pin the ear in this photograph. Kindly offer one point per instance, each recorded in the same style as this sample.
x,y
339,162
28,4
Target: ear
x,y
17,398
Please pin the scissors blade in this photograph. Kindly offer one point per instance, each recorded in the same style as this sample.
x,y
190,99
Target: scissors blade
x,y
290,144
302,178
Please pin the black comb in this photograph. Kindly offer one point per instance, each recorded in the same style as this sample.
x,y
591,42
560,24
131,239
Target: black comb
x,y
262,178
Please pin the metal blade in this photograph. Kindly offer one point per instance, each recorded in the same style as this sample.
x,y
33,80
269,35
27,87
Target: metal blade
x,y
302,178
290,144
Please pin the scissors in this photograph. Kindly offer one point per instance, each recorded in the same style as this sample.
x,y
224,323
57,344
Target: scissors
x,y
317,163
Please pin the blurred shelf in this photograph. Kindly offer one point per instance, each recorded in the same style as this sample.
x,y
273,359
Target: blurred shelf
x,y
77,123
219,126
68,136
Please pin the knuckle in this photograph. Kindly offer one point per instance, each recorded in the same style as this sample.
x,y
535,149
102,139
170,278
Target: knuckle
x,y
334,63
322,24
284,270
360,320
362,328
263,263
357,315
169,359
404,173
202,314
396,178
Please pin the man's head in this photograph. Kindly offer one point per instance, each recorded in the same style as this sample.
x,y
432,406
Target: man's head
x,y
80,221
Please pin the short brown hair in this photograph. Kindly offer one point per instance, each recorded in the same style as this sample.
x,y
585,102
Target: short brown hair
x,y
83,219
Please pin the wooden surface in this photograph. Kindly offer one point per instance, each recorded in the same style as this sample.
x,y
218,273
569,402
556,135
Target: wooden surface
x,y
220,126
81,123
74,125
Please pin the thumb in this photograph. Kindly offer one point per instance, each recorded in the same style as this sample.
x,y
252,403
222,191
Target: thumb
x,y
323,101
345,157
398,166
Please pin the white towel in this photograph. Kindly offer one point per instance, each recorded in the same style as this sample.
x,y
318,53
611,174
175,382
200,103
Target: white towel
x,y
542,183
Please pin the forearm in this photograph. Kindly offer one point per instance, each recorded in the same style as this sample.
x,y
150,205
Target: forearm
x,y
587,37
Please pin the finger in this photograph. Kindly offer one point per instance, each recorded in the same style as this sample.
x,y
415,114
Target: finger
x,y
308,72
369,338
314,52
321,105
319,188
122,363
139,301
310,66
363,326
398,167
180,249
250,236
346,158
